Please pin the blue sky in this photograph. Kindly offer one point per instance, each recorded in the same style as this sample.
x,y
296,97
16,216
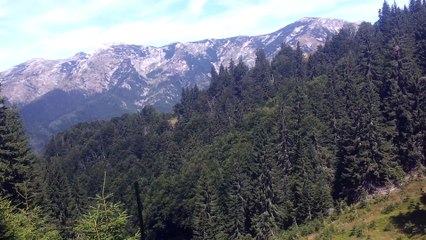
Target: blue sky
x,y
55,29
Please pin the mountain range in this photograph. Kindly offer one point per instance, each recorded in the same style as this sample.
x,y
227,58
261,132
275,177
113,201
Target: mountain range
x,y
55,94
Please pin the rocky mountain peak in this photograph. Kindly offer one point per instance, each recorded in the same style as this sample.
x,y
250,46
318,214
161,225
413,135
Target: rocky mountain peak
x,y
124,78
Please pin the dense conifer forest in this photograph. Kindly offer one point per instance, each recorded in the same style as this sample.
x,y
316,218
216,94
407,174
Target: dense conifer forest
x,y
261,150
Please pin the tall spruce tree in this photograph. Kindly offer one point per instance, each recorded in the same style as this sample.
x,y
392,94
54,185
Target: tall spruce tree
x,y
236,191
58,199
206,216
264,206
304,144
16,157
350,168
25,224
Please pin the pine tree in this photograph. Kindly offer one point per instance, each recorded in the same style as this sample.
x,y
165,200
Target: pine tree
x,y
266,213
365,158
236,191
240,71
350,168
282,138
104,220
16,157
420,37
262,75
303,156
25,223
58,199
206,215
377,148
421,131
333,106
402,106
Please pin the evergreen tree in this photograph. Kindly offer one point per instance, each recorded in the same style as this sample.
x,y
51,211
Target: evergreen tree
x,y
378,148
420,37
264,205
58,200
16,157
421,131
350,168
25,223
236,186
403,100
303,156
206,216
104,220
262,75
363,153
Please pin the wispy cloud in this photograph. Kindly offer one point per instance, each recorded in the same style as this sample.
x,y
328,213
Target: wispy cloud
x,y
58,29
196,6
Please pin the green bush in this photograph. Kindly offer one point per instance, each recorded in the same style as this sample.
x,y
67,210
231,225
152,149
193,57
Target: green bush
x,y
388,227
409,227
23,224
372,225
357,231
412,204
388,209
328,233
104,220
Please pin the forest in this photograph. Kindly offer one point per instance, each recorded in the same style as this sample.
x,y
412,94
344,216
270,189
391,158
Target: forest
x,y
263,149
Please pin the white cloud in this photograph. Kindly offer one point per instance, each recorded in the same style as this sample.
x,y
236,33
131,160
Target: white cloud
x,y
196,6
84,38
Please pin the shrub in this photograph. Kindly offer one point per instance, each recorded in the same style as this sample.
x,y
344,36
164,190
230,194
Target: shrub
x,y
388,227
328,232
357,231
412,204
388,209
372,225
409,227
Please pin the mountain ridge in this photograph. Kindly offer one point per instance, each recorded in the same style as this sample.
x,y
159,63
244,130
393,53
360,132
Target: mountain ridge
x,y
126,77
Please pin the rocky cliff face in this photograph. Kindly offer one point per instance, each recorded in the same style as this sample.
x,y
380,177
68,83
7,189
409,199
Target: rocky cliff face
x,y
54,94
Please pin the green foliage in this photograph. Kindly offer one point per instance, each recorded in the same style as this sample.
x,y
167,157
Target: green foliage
x,y
297,232
388,227
409,227
24,224
16,157
104,220
206,210
357,231
388,209
372,225
327,233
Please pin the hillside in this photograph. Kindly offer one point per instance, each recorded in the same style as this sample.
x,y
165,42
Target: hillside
x,y
395,213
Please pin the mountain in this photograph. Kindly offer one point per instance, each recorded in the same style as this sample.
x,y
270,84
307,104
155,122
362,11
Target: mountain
x,y
55,94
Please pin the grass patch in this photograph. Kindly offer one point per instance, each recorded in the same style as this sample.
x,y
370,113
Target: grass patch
x,y
389,208
298,232
399,215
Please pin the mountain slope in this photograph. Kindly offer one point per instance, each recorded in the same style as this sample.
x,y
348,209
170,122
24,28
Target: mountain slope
x,y
124,78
